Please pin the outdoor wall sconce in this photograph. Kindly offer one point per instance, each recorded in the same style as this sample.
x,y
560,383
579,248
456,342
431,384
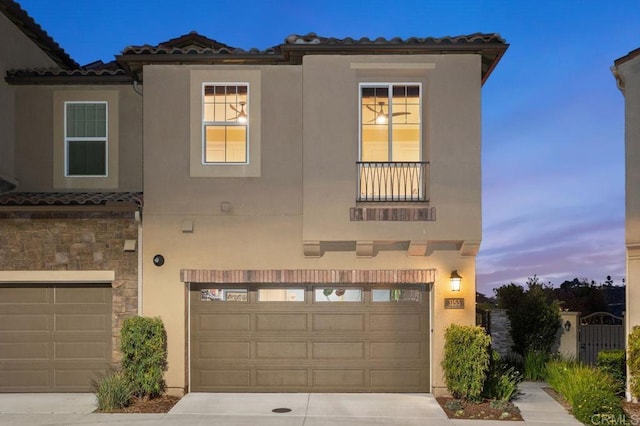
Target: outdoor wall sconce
x,y
455,280
567,326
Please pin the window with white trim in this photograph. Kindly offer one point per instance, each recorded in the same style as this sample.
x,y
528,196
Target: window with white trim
x,y
86,139
391,165
390,122
225,127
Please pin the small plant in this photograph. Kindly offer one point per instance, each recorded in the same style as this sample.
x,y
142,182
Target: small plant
x,y
534,365
454,405
502,380
113,391
466,360
633,360
613,362
144,355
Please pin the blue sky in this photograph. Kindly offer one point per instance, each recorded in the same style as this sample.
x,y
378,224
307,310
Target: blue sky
x,y
553,119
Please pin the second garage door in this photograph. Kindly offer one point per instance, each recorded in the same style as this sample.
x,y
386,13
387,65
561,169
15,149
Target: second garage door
x,y
53,337
309,338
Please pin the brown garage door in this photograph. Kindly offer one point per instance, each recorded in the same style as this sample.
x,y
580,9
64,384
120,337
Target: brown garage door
x,y
309,339
53,338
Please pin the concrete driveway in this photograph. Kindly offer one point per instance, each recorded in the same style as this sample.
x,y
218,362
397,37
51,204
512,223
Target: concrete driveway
x,y
537,408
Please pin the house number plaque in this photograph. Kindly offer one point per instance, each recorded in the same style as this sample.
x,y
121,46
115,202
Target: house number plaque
x,y
454,303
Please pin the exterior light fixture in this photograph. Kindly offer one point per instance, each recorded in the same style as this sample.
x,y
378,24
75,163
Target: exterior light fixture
x,y
567,326
455,280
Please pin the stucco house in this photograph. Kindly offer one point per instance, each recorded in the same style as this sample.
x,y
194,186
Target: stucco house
x,y
311,215
626,70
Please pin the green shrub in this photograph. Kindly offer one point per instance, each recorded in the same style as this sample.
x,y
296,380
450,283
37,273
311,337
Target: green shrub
x,y
113,391
633,360
535,364
590,392
502,380
599,407
466,360
144,355
533,314
613,362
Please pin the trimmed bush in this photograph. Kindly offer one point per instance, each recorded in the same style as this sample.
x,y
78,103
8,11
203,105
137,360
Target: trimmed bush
x,y
633,359
144,349
466,360
590,392
613,362
113,391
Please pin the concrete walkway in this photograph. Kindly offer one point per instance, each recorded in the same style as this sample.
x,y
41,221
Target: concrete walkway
x,y
537,407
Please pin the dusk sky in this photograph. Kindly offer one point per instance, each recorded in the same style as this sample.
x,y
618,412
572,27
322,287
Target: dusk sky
x,y
553,118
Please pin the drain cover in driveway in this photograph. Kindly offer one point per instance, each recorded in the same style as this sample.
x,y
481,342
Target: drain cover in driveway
x,y
281,410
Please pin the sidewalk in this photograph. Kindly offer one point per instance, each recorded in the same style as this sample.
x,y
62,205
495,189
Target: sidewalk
x,y
537,407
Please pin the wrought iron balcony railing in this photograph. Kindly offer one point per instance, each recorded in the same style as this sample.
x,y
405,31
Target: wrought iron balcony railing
x,y
392,181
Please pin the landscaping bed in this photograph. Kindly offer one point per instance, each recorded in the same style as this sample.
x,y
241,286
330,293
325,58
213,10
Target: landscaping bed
x,y
485,410
161,404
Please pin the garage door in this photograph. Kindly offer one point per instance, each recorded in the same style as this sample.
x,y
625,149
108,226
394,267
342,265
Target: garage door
x,y
309,338
53,338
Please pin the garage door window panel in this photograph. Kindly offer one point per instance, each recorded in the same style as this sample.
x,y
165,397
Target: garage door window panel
x,y
281,295
395,295
224,295
337,294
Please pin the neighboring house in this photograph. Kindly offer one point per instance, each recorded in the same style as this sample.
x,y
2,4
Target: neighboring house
x,y
305,206
627,73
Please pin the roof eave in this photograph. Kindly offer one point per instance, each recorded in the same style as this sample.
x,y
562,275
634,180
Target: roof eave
x,y
68,79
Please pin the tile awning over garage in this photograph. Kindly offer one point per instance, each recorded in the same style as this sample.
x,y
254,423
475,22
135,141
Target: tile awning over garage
x,y
325,276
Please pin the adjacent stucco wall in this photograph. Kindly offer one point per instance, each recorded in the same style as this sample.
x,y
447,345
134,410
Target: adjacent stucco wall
x,y
35,132
630,74
16,51
309,143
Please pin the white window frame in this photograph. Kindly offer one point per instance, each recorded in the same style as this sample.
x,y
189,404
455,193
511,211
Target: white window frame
x,y
68,139
389,86
227,123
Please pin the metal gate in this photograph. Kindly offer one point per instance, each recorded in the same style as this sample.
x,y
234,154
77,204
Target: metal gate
x,y
598,332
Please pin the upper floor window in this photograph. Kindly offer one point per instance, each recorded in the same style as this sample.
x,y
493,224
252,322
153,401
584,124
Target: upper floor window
x,y
391,167
390,122
86,138
225,123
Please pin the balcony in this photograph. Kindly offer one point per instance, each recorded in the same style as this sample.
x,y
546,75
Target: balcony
x,y
398,181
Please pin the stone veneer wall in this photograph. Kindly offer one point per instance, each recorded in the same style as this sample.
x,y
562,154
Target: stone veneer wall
x,y
500,330
75,241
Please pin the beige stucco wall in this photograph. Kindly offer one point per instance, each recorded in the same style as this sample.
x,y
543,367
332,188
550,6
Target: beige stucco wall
x,y
307,181
38,129
630,74
16,51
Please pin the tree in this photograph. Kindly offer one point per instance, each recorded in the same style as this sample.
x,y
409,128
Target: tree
x,y
581,296
534,315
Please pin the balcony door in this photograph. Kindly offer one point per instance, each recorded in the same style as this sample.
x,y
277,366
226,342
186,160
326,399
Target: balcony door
x,y
391,166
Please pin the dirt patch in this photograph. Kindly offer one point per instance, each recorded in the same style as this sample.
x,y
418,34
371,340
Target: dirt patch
x,y
559,398
161,404
485,410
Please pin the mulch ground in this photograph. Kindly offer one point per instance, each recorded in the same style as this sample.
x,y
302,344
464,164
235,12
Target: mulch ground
x,y
479,411
161,404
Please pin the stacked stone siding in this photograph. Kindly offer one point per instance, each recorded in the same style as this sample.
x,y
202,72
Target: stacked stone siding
x,y
501,340
76,241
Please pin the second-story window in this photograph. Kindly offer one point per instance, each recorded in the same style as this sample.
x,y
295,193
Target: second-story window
x,y
391,166
390,122
85,136
225,123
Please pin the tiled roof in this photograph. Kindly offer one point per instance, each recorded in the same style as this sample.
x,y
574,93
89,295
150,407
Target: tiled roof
x,y
69,198
31,29
194,48
313,39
